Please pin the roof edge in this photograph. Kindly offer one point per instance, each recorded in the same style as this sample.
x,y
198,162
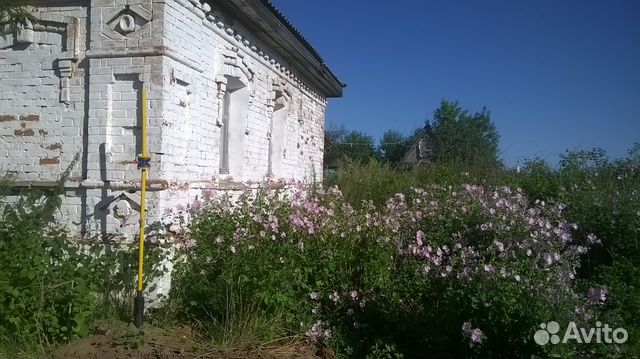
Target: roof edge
x,y
316,70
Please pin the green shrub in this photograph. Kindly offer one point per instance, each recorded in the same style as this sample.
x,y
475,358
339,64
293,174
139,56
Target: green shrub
x,y
604,197
45,284
52,288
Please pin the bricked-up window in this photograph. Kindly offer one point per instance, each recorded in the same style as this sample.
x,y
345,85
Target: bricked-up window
x,y
235,103
276,140
224,135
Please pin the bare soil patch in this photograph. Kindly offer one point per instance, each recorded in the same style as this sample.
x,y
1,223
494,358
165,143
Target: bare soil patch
x,y
124,341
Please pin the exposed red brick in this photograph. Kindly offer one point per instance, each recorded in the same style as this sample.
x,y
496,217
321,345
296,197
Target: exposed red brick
x,y
6,118
49,160
30,118
27,132
54,146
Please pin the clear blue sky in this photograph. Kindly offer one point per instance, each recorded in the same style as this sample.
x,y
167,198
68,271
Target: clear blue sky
x,y
555,74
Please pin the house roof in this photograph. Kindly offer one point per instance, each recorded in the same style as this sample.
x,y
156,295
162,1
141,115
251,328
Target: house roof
x,y
425,135
268,24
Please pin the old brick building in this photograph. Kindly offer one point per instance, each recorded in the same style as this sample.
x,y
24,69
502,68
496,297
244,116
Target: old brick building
x,y
236,96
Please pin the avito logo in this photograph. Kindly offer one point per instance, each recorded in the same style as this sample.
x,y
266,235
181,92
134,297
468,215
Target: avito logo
x,y
549,333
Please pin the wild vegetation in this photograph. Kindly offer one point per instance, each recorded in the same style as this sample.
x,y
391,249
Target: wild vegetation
x,y
459,258
448,262
379,262
52,289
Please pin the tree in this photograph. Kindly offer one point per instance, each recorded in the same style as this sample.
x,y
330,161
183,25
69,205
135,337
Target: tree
x,y
393,146
461,137
584,160
332,139
341,143
12,13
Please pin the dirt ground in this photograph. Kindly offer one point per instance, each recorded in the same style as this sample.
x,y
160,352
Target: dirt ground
x,y
124,341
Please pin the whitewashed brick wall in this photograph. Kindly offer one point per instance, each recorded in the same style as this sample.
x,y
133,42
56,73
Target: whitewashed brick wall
x,y
60,98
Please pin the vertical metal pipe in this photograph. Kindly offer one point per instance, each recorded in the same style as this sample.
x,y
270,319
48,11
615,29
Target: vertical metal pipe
x,y
143,165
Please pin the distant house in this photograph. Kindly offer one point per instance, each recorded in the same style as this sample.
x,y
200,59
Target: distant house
x,y
422,151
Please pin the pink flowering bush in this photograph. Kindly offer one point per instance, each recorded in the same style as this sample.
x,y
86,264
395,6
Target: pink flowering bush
x,y
465,271
484,256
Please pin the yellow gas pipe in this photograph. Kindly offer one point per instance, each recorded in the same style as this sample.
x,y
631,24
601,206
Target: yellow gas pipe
x,y
143,165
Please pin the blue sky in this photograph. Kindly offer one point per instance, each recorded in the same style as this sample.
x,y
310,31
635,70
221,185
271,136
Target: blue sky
x,y
556,75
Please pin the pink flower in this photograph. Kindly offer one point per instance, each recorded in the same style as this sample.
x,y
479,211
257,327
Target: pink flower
x,y
489,268
597,295
476,335
174,228
273,223
196,206
593,239
313,295
466,327
335,297
437,261
318,331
